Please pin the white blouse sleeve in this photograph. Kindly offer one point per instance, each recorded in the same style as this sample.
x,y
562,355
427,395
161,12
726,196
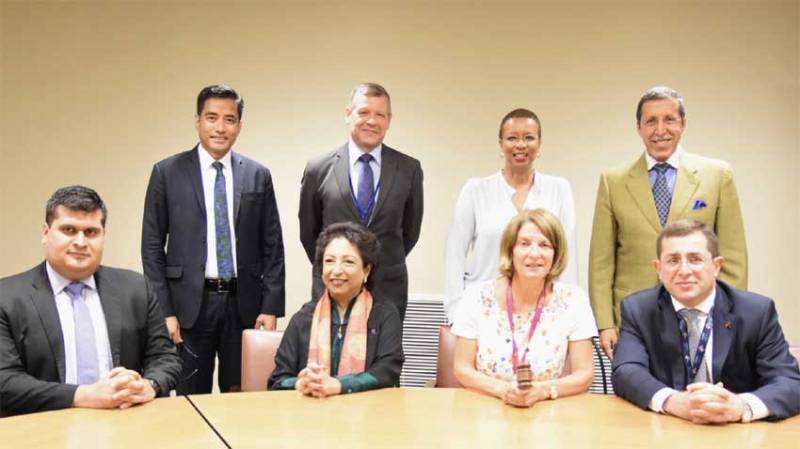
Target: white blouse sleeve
x,y
567,218
584,326
467,314
459,238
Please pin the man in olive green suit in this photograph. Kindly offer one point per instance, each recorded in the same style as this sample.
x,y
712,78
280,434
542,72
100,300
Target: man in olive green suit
x,y
636,200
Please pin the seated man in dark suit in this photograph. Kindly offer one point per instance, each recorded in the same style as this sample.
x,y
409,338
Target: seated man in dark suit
x,y
77,334
699,349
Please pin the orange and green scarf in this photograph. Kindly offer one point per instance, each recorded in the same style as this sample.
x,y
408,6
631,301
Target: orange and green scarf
x,y
354,348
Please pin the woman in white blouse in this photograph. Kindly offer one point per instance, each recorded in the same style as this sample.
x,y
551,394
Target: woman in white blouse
x,y
525,325
485,206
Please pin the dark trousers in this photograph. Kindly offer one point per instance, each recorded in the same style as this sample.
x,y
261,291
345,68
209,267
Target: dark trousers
x,y
217,332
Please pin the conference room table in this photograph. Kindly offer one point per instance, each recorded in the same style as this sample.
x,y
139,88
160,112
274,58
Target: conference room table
x,y
390,418
168,423
443,417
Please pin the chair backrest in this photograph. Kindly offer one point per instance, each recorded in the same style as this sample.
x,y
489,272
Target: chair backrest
x,y
795,350
258,357
445,374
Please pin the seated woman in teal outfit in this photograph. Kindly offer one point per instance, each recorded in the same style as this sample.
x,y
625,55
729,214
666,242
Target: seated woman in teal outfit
x,y
346,341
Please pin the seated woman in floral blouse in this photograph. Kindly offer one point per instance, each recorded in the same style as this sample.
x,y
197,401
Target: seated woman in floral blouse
x,y
344,342
526,318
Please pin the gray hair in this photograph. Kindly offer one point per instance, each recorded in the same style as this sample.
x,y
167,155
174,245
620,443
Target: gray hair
x,y
660,93
370,90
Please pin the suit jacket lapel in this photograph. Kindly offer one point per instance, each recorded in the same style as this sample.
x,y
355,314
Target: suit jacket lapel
x,y
341,171
388,171
639,188
238,184
112,311
686,184
724,331
669,333
45,304
192,170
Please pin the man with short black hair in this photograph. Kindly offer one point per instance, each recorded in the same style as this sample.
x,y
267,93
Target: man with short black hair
x,y
699,349
74,333
212,245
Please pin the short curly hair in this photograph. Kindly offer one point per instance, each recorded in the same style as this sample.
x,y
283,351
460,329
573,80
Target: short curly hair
x,y
365,241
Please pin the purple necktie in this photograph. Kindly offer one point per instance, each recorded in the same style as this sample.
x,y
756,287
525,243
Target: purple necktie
x,y
85,347
365,198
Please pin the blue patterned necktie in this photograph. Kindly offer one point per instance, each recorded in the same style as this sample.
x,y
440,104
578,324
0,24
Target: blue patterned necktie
x,y
365,197
222,225
85,343
689,318
661,193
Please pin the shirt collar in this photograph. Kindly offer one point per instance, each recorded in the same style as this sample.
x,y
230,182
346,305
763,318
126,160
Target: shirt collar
x,y
58,282
704,306
673,160
354,151
206,160
535,188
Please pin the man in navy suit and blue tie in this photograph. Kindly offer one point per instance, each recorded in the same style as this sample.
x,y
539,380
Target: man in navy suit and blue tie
x,y
365,181
695,347
212,245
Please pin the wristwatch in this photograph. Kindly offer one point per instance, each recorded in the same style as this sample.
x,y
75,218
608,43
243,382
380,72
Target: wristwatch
x,y
553,390
155,386
747,413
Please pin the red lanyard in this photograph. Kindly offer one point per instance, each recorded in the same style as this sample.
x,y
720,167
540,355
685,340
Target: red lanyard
x,y
534,322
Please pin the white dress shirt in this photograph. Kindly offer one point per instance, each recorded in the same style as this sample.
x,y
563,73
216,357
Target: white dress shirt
x,y
67,320
482,211
657,401
209,174
354,152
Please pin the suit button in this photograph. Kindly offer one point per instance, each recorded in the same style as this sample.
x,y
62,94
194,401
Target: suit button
x,y
203,239
202,266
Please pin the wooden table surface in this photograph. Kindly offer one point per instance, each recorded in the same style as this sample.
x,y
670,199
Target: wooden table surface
x,y
390,418
163,423
442,418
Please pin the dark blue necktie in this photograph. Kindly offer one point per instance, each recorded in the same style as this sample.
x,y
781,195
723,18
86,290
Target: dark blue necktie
x,y
365,198
222,225
661,193
85,343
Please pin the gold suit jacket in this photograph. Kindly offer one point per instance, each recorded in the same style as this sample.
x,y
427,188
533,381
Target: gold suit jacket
x,y
626,226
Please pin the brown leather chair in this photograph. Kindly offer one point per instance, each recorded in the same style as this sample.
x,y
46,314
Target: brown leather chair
x,y
445,374
258,357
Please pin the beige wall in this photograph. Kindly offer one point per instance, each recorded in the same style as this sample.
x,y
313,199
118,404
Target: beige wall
x,y
95,93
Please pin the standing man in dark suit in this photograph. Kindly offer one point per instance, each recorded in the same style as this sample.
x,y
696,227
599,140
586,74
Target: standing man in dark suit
x,y
77,334
699,349
365,181
212,245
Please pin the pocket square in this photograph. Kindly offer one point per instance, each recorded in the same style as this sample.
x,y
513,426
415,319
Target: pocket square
x,y
698,204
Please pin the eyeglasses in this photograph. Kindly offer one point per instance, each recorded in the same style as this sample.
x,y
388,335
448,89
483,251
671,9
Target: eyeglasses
x,y
693,262
183,350
514,140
